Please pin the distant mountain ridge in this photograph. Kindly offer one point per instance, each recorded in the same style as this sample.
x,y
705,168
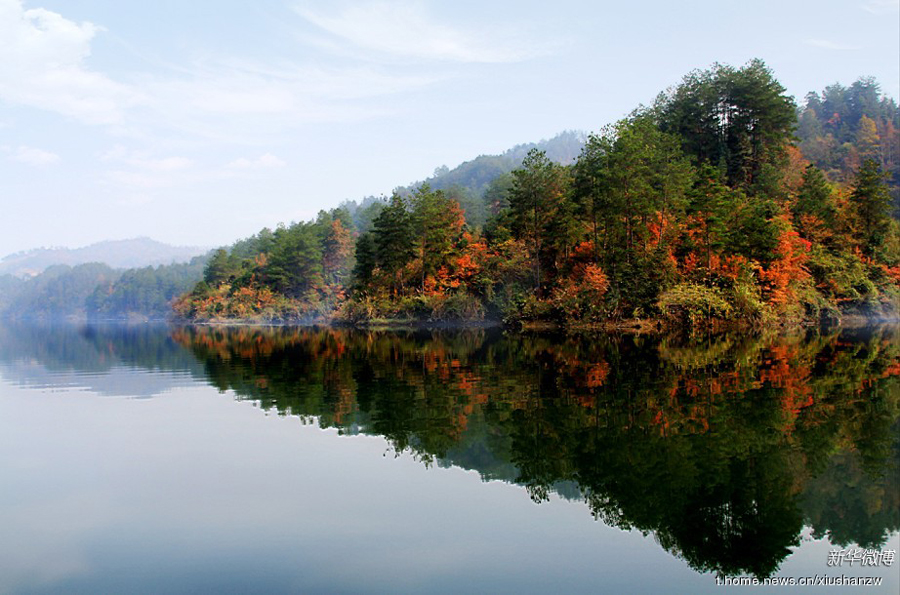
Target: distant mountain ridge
x,y
118,254
468,182
478,173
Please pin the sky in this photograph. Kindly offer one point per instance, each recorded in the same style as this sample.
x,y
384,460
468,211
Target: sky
x,y
199,123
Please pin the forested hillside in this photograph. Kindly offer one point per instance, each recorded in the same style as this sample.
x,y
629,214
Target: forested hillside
x,y
715,204
841,127
97,291
59,292
144,292
469,182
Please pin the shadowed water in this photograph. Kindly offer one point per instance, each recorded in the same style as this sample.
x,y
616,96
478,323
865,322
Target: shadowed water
x,y
731,455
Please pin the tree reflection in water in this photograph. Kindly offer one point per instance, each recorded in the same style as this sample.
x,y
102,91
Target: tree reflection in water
x,y
722,447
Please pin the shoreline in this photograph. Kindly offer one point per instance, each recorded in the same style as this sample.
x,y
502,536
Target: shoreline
x,y
630,326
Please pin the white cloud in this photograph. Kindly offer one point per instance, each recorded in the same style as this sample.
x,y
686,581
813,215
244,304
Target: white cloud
x,y
32,156
139,169
144,162
168,164
830,45
276,95
882,6
404,29
137,179
42,64
263,161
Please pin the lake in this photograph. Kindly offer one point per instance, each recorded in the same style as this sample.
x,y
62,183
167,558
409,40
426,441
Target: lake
x,y
230,460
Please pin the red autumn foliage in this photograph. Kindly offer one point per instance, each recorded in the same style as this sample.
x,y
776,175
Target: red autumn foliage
x,y
782,276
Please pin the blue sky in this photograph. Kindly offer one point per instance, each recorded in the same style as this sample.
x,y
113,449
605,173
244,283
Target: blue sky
x,y
201,122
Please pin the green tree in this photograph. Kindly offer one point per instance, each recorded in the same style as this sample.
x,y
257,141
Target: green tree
x,y
594,203
740,119
394,240
871,202
630,190
437,221
538,190
294,266
711,205
815,196
366,261
220,269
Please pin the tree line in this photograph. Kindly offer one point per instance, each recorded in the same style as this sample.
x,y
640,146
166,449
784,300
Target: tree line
x,y
99,292
717,202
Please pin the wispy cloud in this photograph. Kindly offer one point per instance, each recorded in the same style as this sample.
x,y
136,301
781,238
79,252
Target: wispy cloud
x,y
882,6
138,179
229,87
143,161
31,156
143,170
262,162
42,64
830,45
406,30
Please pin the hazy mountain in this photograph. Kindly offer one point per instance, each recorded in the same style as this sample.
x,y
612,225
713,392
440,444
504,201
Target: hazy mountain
x,y
476,174
467,182
118,254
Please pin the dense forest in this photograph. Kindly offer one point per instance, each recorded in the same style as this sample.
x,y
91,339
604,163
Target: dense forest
x,y
145,292
721,201
841,128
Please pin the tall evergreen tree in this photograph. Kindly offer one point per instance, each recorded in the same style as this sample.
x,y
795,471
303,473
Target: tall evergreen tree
x,y
738,119
295,264
219,269
436,220
538,189
394,240
366,261
632,175
872,204
815,196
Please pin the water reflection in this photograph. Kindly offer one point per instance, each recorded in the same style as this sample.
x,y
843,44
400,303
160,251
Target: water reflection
x,y
723,448
113,360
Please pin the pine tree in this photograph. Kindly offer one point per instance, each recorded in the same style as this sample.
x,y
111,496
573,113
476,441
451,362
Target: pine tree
x,y
366,261
872,204
437,221
393,235
534,199
815,197
740,119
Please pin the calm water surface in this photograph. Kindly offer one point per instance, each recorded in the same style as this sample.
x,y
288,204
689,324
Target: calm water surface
x,y
213,460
